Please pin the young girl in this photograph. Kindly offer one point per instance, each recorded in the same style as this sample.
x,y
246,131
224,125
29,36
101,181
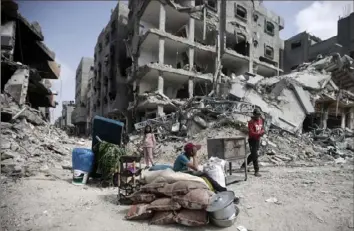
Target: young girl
x,y
149,144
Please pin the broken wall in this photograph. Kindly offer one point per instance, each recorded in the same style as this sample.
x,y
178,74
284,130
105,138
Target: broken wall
x,y
17,86
256,26
8,31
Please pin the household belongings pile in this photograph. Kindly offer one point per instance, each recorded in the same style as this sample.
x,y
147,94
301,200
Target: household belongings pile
x,y
171,197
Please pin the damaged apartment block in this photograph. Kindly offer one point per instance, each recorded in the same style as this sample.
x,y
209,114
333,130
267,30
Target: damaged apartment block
x,y
108,91
177,49
26,64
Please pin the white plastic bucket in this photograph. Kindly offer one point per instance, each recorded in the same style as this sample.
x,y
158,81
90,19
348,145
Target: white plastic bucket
x,y
80,177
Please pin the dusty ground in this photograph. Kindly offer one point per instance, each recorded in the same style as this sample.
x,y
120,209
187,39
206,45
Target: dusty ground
x,y
318,198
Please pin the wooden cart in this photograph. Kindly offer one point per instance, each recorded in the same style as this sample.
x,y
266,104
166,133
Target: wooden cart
x,y
230,150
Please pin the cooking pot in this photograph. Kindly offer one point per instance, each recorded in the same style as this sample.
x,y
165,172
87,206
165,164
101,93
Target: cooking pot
x,y
222,206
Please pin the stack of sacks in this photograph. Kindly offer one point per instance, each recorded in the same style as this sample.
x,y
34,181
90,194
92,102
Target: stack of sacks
x,y
182,202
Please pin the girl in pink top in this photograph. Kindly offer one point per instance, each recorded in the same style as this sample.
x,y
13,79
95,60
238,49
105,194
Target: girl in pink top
x,y
149,143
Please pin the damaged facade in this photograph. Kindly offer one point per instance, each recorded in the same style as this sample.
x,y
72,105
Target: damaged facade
x,y
177,55
110,92
65,120
305,47
175,68
26,63
84,73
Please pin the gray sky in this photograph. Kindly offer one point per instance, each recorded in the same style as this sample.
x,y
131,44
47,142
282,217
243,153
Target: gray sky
x,y
71,29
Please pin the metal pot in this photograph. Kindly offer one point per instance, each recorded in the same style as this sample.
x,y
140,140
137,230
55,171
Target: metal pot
x,y
225,223
222,206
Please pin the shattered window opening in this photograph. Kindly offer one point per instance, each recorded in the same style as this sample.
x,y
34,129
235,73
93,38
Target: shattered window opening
x,y
199,2
123,19
270,28
295,45
106,41
240,12
255,17
351,54
113,26
112,95
106,60
212,4
269,52
99,47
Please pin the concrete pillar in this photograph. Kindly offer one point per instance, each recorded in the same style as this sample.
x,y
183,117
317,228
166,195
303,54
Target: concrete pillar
x,y
160,86
343,115
160,111
250,64
160,83
162,27
161,50
351,118
162,23
190,87
191,30
324,116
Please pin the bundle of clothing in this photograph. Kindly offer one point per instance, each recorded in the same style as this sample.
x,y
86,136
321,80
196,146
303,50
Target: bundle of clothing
x,y
171,199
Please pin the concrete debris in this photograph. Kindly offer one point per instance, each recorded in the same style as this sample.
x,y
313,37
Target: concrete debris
x,y
272,200
286,101
241,228
30,145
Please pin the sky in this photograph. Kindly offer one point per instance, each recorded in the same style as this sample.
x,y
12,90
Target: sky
x,y
71,28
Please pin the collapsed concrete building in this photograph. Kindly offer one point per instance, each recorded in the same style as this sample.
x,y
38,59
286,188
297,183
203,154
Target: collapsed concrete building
x,y
84,73
177,52
26,64
175,63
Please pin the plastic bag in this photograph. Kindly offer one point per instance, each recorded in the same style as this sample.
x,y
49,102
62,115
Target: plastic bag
x,y
214,168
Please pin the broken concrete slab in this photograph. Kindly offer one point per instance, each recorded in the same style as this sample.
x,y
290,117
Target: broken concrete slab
x,y
18,84
304,99
238,89
254,80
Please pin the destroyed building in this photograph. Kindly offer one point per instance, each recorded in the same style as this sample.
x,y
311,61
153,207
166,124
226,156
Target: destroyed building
x,y
65,122
305,47
109,97
89,104
25,63
177,55
83,73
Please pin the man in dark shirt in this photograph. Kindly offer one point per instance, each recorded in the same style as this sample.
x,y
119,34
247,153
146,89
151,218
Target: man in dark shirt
x,y
255,132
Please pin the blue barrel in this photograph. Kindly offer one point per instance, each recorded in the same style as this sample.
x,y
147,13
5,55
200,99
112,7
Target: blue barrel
x,y
83,159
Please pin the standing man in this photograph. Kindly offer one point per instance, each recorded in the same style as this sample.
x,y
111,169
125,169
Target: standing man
x,y
255,132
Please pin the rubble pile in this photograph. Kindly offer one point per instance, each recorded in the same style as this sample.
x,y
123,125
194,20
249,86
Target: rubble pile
x,y
30,145
286,101
280,148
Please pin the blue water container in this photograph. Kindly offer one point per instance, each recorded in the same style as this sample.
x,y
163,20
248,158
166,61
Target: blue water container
x,y
83,159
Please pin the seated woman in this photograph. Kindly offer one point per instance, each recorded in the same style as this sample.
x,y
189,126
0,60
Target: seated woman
x,y
183,162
